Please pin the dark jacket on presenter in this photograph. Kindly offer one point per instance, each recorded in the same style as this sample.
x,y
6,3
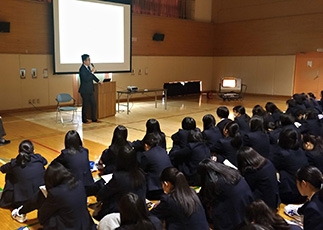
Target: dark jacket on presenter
x,y
87,89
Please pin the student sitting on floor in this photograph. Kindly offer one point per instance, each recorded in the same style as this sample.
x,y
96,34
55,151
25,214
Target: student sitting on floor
x,y
180,207
241,118
223,113
187,159
309,182
127,177
152,126
24,175
108,160
153,161
260,174
288,157
226,148
63,205
76,158
257,138
259,213
211,133
180,137
224,194
133,216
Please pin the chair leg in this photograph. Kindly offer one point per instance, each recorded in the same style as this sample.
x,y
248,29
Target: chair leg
x,y
60,113
57,116
72,116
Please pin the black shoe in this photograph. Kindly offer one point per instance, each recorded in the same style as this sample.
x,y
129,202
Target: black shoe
x,y
96,120
86,121
4,142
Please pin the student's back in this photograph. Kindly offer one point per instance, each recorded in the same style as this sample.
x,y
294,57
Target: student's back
x,y
78,164
180,207
66,204
24,175
76,158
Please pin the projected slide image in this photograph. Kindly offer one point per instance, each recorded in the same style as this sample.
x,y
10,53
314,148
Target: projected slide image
x,y
98,28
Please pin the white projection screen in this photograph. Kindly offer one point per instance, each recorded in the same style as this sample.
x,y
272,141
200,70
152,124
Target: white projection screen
x,y
101,29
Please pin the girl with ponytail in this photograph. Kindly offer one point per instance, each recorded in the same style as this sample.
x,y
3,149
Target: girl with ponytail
x,y
227,147
24,174
309,181
180,207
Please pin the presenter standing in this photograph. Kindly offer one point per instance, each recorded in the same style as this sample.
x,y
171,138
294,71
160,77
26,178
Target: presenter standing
x,y
87,88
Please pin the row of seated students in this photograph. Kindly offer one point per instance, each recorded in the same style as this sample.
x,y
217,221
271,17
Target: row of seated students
x,y
224,193
216,179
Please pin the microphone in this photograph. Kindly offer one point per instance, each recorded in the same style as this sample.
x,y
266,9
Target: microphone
x,y
92,65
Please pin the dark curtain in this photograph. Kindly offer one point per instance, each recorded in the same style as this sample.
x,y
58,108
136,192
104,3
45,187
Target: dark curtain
x,y
165,8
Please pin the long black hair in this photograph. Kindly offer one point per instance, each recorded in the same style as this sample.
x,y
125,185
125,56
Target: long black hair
x,y
73,142
133,211
256,123
242,111
119,138
127,161
258,212
288,139
272,108
234,132
152,126
213,174
249,160
26,148
208,121
184,196
56,174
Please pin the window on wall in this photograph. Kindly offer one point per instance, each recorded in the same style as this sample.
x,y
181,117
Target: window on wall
x,y
165,8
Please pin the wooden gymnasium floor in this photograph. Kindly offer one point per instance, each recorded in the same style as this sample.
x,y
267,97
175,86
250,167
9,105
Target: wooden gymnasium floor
x,y
48,136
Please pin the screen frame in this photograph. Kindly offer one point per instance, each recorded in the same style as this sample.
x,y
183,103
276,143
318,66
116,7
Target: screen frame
x,y
100,67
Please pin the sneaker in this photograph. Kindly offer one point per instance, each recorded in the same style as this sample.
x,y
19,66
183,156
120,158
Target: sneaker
x,y
18,217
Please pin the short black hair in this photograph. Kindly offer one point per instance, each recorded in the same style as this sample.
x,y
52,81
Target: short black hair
x,y
222,112
84,57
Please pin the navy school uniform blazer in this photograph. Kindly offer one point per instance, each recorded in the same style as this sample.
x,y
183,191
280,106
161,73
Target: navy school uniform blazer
x,y
153,162
109,159
243,123
154,220
313,213
187,159
78,164
263,184
23,182
211,136
180,138
315,158
139,146
66,209
86,78
274,135
222,123
314,127
287,162
120,184
170,211
259,141
227,211
225,150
